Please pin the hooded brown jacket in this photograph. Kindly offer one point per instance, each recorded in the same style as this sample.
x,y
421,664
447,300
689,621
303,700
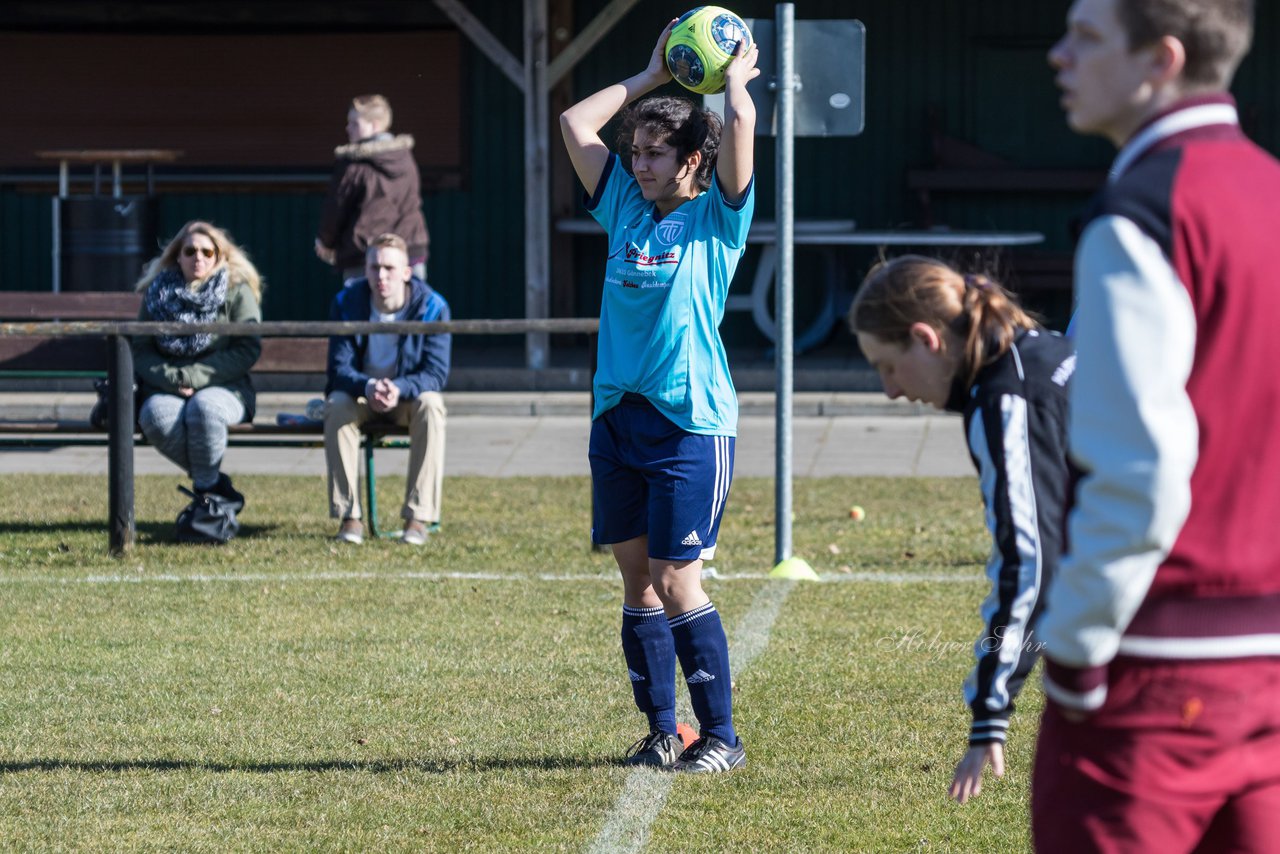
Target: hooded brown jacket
x,y
375,189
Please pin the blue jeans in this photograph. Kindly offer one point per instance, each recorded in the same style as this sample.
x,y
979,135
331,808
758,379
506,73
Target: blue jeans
x,y
192,431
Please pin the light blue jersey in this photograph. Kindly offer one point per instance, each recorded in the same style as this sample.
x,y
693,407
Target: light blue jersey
x,y
665,285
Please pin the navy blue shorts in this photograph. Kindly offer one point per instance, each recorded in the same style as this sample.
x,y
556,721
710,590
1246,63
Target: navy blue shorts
x,y
648,476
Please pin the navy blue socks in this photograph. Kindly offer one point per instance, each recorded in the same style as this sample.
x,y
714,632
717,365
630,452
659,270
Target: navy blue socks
x,y
650,653
704,657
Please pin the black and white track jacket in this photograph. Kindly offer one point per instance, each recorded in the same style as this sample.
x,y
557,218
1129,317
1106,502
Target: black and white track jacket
x,y
1015,421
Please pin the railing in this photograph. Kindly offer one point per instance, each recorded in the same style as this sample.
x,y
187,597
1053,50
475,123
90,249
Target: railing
x,y
120,413
301,328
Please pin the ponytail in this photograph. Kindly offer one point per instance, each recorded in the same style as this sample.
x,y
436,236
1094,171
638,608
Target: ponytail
x,y
980,314
993,319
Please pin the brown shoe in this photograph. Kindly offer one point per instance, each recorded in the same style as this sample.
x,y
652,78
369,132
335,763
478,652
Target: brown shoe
x,y
352,531
415,533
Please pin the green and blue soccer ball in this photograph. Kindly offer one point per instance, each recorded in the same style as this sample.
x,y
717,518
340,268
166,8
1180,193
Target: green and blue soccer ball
x,y
701,46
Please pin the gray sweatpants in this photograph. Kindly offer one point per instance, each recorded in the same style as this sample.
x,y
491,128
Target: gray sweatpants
x,y
192,431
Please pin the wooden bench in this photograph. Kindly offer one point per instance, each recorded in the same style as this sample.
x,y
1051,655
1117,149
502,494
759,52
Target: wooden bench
x,y
925,182
40,359
964,168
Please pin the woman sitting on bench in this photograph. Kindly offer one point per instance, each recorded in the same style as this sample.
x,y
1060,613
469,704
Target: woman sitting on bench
x,y
193,386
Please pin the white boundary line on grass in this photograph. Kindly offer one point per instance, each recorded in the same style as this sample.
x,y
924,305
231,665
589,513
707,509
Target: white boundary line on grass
x,y
627,826
296,578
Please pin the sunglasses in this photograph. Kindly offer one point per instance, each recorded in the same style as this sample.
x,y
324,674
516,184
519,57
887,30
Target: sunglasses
x,y
190,251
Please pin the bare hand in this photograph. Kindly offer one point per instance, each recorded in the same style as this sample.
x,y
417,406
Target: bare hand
x,y
324,253
967,782
743,66
658,62
185,391
386,395
391,395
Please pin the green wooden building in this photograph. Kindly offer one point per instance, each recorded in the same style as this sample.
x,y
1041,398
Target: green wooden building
x,y
255,96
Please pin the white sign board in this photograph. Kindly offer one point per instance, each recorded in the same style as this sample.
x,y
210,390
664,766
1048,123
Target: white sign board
x,y
830,60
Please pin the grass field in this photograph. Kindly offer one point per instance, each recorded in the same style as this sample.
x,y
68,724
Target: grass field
x,y
282,693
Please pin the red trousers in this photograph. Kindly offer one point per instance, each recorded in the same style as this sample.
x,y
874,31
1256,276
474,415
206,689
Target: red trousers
x,y
1183,757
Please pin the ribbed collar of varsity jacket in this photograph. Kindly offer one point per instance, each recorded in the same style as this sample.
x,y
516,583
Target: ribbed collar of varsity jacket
x,y
1200,111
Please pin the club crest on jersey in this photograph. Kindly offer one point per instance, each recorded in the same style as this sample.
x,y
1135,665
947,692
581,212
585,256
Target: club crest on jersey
x,y
671,228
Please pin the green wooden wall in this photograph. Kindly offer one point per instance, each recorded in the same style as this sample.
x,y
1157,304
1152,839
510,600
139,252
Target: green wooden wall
x,y
982,69
980,66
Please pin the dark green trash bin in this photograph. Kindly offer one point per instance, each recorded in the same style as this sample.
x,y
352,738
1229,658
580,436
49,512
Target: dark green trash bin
x,y
106,241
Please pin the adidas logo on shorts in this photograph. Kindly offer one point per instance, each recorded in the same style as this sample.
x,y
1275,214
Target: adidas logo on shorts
x,y
691,540
635,677
700,675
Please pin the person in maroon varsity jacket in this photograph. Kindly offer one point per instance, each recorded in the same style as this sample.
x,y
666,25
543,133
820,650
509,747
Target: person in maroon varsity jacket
x,y
1162,632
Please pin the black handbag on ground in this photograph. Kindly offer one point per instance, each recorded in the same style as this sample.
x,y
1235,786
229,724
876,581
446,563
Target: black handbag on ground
x,y
209,518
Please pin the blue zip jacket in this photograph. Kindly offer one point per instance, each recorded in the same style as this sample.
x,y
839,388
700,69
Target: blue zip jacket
x,y
422,363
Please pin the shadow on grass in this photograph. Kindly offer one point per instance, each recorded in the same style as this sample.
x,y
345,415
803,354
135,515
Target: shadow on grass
x,y
163,533
147,532
383,766
53,527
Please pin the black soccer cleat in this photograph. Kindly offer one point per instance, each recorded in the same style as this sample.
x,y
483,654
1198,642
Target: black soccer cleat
x,y
709,755
658,749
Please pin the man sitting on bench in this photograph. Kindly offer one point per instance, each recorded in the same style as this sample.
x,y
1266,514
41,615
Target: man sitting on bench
x,y
391,378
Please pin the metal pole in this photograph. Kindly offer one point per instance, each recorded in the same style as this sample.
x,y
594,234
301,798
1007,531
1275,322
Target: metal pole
x,y
56,206
370,483
64,189
784,279
537,231
120,446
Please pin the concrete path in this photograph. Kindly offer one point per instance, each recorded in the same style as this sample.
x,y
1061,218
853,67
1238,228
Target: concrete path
x,y
539,434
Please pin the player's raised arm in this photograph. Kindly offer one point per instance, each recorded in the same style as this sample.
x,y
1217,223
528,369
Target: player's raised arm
x,y
736,160
582,122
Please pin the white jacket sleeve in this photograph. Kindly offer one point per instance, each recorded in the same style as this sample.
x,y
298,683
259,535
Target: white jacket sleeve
x,y
1134,434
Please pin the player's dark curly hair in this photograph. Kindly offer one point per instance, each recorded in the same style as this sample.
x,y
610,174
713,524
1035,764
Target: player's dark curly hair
x,y
684,125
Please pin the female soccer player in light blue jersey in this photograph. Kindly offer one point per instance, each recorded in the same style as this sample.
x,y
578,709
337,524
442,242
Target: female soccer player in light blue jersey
x,y
665,408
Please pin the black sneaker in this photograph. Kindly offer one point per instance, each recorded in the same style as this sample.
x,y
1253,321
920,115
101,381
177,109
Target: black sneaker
x,y
658,749
710,754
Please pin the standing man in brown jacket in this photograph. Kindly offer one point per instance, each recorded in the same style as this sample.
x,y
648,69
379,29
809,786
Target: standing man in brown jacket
x,y
375,189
